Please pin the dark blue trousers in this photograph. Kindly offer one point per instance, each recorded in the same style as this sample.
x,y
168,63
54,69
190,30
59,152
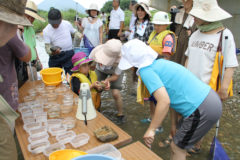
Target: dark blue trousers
x,y
62,60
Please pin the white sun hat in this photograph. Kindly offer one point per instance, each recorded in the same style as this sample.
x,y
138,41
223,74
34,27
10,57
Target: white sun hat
x,y
208,10
93,6
136,53
161,18
144,6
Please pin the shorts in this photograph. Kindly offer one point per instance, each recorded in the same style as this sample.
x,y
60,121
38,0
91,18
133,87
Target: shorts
x,y
191,129
112,34
113,85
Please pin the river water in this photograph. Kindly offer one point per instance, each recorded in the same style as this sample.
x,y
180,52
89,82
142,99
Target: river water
x,y
229,123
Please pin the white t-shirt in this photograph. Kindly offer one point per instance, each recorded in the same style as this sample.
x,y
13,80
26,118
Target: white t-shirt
x,y
202,50
116,16
60,36
132,21
108,69
91,31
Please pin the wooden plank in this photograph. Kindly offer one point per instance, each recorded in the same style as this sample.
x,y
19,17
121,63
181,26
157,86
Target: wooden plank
x,y
96,123
138,151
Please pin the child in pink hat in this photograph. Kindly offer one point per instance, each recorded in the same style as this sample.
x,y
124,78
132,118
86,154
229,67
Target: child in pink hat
x,y
83,74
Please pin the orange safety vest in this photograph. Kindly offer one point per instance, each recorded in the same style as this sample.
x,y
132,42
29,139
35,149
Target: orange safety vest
x,y
96,97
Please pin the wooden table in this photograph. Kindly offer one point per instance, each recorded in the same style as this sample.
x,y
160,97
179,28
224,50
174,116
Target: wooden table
x,y
94,124
138,151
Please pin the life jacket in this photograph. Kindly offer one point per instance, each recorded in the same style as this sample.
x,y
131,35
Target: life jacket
x,y
155,41
96,97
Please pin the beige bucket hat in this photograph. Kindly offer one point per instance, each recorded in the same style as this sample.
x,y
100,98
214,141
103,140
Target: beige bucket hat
x,y
12,11
107,54
208,10
144,6
31,10
93,6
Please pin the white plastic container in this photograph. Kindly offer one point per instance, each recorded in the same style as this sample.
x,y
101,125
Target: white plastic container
x,y
38,132
106,149
52,148
54,112
38,147
67,106
53,123
65,137
41,117
32,126
25,109
28,98
57,130
80,140
38,139
69,122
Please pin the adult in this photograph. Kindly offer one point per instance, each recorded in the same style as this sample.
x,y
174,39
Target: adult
x,y
92,26
116,23
173,85
30,39
183,26
103,18
58,40
142,26
204,44
11,15
107,57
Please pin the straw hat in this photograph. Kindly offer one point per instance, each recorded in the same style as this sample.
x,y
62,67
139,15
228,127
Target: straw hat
x,y
31,10
78,59
144,6
107,54
161,18
136,53
93,6
208,10
12,11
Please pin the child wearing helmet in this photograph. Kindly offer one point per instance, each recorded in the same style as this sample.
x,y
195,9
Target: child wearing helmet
x,y
161,40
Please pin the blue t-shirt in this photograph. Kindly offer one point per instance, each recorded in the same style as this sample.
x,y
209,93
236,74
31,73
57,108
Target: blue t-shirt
x,y
186,91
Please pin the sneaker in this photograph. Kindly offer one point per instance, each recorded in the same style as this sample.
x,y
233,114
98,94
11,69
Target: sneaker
x,y
159,130
146,120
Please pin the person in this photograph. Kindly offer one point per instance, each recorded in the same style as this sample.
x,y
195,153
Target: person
x,y
132,19
204,44
107,58
173,85
83,74
116,23
103,18
142,27
183,25
92,26
30,39
11,15
163,42
58,41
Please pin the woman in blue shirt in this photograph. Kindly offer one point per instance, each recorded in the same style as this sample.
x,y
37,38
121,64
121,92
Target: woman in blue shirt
x,y
173,86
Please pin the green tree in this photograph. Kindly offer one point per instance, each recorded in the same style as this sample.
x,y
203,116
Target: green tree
x,y
124,4
107,7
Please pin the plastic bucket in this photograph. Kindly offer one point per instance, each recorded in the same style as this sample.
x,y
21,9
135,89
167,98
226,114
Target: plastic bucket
x,y
93,157
52,76
79,49
65,154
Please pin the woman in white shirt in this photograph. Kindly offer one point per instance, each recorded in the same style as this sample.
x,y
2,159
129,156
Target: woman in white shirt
x,y
92,26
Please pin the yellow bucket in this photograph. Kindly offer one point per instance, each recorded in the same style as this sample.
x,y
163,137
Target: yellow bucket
x,y
52,76
65,154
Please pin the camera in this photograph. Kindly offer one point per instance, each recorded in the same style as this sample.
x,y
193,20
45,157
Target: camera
x,y
176,10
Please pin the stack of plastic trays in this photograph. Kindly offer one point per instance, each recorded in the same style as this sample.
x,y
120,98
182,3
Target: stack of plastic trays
x,y
52,148
80,140
65,137
57,130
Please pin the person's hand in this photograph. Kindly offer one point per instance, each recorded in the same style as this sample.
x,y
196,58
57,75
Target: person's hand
x,y
149,137
98,86
107,83
173,130
173,7
119,34
223,94
57,51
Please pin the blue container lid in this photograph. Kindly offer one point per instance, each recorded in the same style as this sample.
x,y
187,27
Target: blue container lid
x,y
93,157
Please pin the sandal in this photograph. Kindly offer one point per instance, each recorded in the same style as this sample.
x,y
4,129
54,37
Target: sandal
x,y
194,150
165,143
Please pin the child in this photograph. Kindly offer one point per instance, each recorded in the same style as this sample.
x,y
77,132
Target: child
x,y
163,42
83,74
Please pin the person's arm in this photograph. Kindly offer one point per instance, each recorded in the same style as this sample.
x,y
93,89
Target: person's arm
x,y
174,120
228,74
27,57
121,28
186,63
161,111
101,34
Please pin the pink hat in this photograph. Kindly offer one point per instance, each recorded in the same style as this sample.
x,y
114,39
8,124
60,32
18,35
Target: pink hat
x,y
78,59
107,54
